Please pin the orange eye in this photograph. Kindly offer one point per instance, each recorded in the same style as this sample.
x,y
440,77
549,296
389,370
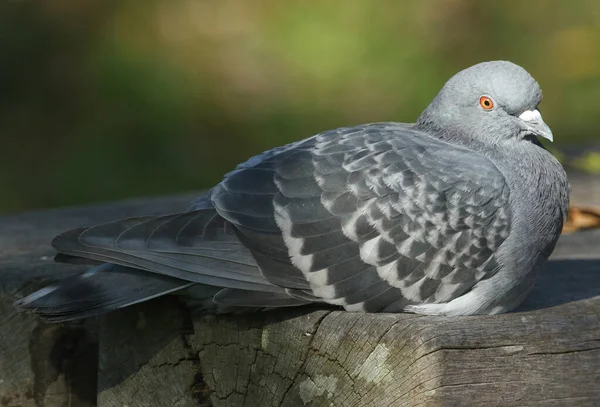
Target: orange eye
x,y
486,102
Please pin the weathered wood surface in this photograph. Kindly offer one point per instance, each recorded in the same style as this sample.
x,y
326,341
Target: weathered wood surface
x,y
548,354
155,354
146,358
41,364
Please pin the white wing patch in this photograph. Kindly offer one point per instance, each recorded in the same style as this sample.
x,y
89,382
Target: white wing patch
x,y
304,262
369,250
389,273
294,244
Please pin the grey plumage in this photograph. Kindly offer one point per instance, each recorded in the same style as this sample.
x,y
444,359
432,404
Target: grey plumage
x,y
455,214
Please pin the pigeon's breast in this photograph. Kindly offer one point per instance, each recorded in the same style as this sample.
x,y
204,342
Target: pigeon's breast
x,y
539,195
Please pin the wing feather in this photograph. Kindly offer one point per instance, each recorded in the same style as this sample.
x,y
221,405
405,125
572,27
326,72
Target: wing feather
x,y
376,216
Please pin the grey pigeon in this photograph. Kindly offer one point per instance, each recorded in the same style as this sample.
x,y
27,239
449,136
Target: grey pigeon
x,y
455,214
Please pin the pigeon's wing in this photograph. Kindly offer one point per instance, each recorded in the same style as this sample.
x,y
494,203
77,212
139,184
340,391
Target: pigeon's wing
x,y
375,217
205,200
197,246
196,254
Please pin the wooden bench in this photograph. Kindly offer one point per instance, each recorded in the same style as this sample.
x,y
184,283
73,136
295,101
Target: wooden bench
x,y
157,354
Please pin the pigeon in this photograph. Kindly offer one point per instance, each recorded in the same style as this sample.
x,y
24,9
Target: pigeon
x,y
455,214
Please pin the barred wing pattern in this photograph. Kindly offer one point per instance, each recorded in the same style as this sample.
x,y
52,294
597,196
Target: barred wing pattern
x,y
373,218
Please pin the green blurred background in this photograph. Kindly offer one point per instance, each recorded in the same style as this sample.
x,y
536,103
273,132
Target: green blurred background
x,y
104,100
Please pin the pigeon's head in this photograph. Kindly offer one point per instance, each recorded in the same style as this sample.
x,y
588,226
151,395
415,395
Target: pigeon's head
x,y
491,102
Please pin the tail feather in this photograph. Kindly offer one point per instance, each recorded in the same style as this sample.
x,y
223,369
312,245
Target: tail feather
x,y
99,290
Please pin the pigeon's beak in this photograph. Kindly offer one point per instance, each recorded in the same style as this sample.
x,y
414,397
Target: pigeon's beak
x,y
534,124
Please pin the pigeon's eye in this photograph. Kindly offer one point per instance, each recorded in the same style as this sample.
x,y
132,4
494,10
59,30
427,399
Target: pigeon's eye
x,y
486,102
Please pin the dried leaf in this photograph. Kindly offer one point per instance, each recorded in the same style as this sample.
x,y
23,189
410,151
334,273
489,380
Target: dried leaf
x,y
582,218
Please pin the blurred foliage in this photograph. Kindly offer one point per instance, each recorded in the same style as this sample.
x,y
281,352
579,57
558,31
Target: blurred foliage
x,y
114,99
588,162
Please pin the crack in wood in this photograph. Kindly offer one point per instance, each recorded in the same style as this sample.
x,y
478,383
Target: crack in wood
x,y
309,348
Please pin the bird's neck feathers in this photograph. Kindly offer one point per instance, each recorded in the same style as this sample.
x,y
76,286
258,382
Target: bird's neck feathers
x,y
528,167
538,172
445,124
